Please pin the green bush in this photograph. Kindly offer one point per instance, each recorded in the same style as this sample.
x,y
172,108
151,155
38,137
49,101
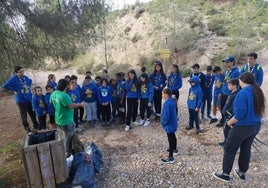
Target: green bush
x,y
127,30
218,25
139,11
136,38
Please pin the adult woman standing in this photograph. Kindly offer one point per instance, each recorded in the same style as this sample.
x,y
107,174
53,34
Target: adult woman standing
x,y
249,106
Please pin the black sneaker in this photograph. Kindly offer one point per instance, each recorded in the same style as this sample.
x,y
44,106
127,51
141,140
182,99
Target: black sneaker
x,y
175,152
213,120
219,125
189,127
168,160
221,144
222,177
240,174
197,131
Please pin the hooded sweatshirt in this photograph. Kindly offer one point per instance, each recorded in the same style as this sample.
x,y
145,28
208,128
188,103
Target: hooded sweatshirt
x,y
174,82
105,94
50,106
169,120
229,74
147,91
39,105
22,87
195,94
158,79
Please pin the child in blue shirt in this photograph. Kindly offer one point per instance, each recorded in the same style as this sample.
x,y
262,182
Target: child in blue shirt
x,y
50,108
75,96
132,87
39,106
146,101
97,82
218,81
194,103
89,95
207,93
169,123
105,93
52,81
121,97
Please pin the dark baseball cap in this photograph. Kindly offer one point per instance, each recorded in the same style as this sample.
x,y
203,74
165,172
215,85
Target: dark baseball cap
x,y
229,59
253,54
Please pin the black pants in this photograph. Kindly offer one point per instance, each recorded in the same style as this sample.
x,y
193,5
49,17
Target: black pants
x,y
81,113
157,102
76,117
193,118
98,110
239,137
206,100
42,122
24,109
145,108
223,101
172,142
121,108
177,96
105,112
114,110
226,130
132,110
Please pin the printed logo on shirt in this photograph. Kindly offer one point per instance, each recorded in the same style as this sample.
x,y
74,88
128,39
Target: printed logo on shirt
x,y
89,93
218,84
191,96
144,88
41,104
104,92
133,88
73,97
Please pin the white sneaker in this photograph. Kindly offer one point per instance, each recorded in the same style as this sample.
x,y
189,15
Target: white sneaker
x,y
147,123
141,122
136,123
127,128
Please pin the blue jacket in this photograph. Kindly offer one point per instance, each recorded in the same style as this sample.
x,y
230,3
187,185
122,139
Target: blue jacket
x,y
256,70
22,87
229,74
169,120
53,85
89,93
207,90
243,109
174,82
132,90
218,82
158,80
202,78
75,95
114,94
121,89
195,94
39,105
105,94
147,91
50,106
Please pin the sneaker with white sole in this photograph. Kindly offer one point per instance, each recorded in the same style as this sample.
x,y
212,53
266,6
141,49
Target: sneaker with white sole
x,y
222,177
147,123
241,175
127,128
136,123
168,160
141,122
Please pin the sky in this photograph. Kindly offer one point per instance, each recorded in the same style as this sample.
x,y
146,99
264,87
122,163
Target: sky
x,y
119,4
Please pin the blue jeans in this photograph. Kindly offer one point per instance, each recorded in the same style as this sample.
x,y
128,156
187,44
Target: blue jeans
x,y
193,118
69,133
239,137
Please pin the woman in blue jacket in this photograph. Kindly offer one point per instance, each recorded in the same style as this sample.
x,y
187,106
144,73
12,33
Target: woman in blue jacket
x,y
21,86
169,123
158,79
39,106
248,109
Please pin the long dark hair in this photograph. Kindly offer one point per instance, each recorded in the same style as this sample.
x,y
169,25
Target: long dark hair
x,y
158,63
259,99
135,79
176,67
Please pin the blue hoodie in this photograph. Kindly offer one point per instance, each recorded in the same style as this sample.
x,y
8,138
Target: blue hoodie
x,y
256,70
75,95
120,89
229,74
114,94
169,120
105,94
39,105
132,90
174,82
158,80
207,90
50,106
89,92
195,94
147,91
243,108
218,82
22,87
53,85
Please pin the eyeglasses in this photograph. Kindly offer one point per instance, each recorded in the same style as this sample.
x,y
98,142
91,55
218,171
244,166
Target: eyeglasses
x,y
192,81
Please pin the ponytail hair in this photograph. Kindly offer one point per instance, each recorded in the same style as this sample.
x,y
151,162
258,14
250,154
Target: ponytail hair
x,y
259,99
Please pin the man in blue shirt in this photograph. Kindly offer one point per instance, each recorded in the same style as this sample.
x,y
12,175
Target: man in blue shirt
x,y
253,67
21,86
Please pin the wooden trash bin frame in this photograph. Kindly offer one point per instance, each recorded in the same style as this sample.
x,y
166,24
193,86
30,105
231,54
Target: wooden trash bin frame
x,y
45,163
